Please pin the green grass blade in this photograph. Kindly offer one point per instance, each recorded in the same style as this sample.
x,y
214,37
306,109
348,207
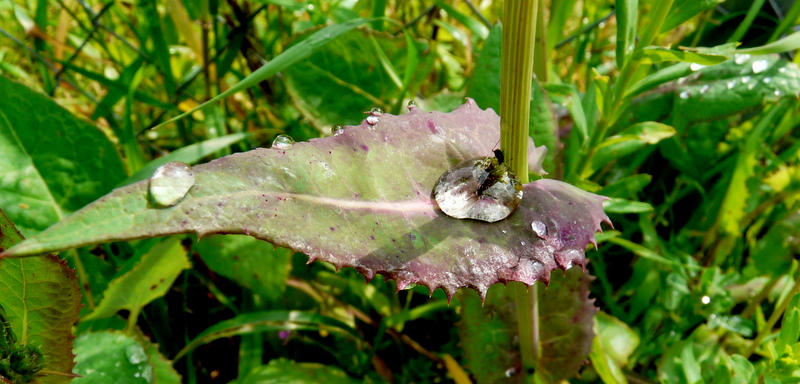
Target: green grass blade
x,y
626,29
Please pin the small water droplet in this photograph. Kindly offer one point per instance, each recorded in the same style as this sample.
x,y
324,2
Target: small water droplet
x,y
777,93
751,86
745,79
760,66
372,120
731,84
704,88
170,183
337,130
522,243
741,58
282,142
685,94
705,299
782,70
411,104
480,189
376,111
539,228
696,67
135,354
766,80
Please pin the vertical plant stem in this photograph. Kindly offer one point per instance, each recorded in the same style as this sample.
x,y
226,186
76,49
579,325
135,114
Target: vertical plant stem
x,y
516,75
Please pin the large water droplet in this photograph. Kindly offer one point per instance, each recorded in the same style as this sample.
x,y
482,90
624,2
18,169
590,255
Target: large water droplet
x,y
170,183
741,58
411,104
282,142
337,130
685,95
481,189
539,228
760,66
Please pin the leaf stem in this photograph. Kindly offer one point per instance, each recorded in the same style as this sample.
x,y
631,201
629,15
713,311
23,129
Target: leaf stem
x,y
516,76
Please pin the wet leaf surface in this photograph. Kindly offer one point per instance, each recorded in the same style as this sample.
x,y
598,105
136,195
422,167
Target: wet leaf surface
x,y
361,199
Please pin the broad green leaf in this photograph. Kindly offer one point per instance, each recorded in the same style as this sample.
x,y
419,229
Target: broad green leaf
x,y
52,162
253,264
111,357
283,61
627,13
568,96
143,279
773,253
628,141
361,199
786,44
267,321
565,322
683,10
163,371
189,154
285,371
613,346
345,78
649,55
40,299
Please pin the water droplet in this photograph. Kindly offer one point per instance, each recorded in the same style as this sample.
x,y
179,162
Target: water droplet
x,y
745,79
480,189
777,93
741,58
760,66
731,84
766,80
376,112
411,104
685,94
751,86
372,120
135,354
704,88
522,243
282,142
705,299
782,70
696,67
337,130
170,183
539,228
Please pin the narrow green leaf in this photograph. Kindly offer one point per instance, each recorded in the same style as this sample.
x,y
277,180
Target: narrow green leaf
x,y
790,331
285,371
683,10
627,142
786,44
627,12
662,76
626,206
650,55
744,26
477,28
292,55
568,96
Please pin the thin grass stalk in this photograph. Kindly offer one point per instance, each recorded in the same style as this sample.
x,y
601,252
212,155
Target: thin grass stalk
x,y
516,75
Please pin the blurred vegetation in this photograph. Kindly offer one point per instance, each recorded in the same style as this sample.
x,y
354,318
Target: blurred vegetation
x,y
697,281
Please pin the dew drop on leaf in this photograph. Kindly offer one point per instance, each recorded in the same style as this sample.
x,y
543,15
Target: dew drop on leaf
x,y
741,58
376,112
337,130
282,142
745,79
685,95
481,189
170,183
539,228
760,66
411,104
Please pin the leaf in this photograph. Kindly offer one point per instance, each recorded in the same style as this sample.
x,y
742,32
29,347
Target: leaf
x,y
630,140
111,357
41,300
649,55
627,12
285,371
361,199
143,279
52,162
786,44
242,259
340,81
683,10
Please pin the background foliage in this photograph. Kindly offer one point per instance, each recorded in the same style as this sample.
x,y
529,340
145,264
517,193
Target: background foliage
x,y
696,283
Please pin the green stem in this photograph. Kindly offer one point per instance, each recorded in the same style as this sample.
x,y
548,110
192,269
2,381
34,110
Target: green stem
x,y
516,76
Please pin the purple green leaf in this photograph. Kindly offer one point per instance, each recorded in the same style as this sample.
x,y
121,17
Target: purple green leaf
x,y
361,199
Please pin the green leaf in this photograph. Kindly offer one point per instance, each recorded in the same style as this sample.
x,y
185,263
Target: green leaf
x,y
683,10
52,162
786,44
361,199
626,206
627,12
285,371
41,299
568,96
665,75
143,279
613,346
774,252
627,187
475,26
283,61
627,142
650,55
251,263
111,357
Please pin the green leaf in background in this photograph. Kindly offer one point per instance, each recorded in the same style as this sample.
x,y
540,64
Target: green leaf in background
x,y
567,95
786,44
143,279
251,263
41,299
627,14
628,141
362,199
650,55
683,10
52,162
774,252
286,371
613,346
343,79
111,357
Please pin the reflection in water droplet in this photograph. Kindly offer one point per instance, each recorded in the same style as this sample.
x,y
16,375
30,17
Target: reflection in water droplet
x,y
376,111
411,104
704,88
760,66
480,189
372,120
696,67
337,130
539,228
282,142
741,58
170,183
685,94
745,79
